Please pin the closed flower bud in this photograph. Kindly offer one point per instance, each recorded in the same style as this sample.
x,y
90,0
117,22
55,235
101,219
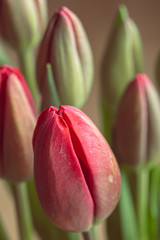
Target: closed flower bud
x,y
65,46
136,138
17,122
76,174
22,22
122,60
157,72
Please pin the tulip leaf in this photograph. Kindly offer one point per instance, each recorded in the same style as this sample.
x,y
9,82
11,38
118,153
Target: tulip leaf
x,y
107,119
127,211
4,59
3,233
52,88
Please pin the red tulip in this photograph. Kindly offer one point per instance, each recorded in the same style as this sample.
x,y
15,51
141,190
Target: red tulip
x,y
136,138
76,174
17,122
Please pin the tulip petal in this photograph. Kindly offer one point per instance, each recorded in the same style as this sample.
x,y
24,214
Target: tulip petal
x,y
65,58
18,129
66,47
92,149
136,138
129,140
153,138
59,179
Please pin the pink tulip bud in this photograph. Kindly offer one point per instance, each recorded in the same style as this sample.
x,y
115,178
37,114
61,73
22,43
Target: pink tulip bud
x,y
17,122
76,174
136,137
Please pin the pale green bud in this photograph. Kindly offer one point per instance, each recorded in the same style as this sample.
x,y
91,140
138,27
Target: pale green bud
x,y
22,22
122,60
66,47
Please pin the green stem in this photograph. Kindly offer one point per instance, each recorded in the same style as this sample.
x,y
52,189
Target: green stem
x,y
128,219
142,202
27,62
3,233
91,234
154,186
107,119
4,58
23,210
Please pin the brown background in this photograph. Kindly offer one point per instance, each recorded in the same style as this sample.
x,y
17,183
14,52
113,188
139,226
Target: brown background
x,y
97,17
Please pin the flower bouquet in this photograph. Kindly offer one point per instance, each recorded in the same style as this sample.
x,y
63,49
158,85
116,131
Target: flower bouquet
x,y
65,176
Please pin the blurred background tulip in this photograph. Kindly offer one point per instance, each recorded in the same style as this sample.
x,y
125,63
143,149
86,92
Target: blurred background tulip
x,y
17,122
136,134
122,60
65,46
136,141
22,22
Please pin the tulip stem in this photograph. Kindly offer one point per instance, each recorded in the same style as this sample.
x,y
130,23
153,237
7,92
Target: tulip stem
x,y
154,186
3,233
142,202
4,58
23,210
27,63
91,234
127,210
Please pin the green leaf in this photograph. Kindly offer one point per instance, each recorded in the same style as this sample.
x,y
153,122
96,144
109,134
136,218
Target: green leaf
x,y
3,233
52,88
127,211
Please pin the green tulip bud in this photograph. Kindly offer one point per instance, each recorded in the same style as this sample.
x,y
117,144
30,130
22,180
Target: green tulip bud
x,y
122,60
66,47
22,22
